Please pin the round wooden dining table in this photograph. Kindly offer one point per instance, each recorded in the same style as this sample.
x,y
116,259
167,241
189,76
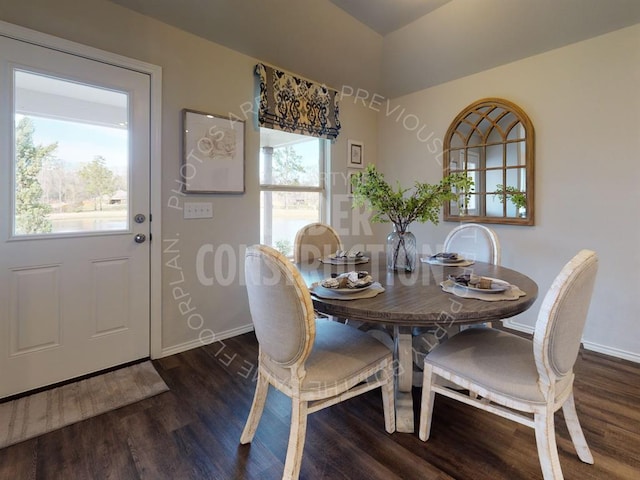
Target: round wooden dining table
x,y
412,300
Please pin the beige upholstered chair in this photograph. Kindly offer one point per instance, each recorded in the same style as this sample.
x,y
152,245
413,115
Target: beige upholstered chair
x,y
518,379
317,363
315,240
475,242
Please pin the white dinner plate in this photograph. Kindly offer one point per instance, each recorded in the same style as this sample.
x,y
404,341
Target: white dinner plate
x,y
448,261
446,258
497,286
348,260
346,291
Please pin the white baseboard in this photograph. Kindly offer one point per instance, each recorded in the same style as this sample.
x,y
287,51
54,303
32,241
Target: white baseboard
x,y
518,326
612,352
195,343
595,347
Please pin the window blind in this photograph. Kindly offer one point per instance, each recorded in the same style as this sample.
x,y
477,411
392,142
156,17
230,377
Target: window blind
x,y
296,105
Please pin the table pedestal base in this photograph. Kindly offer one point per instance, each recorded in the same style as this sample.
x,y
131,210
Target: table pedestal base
x,y
404,379
409,351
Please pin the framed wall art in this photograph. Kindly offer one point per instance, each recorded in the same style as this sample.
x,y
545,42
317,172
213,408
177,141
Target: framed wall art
x,y
213,153
355,154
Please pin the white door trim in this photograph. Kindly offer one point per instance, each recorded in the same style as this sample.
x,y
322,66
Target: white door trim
x,y
155,73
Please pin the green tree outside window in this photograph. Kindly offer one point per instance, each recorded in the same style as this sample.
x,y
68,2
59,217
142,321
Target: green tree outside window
x,y
99,181
31,212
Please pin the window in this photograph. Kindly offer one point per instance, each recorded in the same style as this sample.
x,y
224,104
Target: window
x,y
292,185
71,157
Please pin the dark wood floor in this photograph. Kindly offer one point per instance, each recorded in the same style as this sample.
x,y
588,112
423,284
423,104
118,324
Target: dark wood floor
x,y
193,431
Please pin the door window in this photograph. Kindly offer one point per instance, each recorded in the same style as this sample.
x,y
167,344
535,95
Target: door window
x,y
71,157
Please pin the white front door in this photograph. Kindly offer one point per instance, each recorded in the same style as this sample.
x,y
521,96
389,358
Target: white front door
x,y
74,225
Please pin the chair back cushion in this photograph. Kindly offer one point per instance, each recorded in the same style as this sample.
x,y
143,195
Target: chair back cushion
x,y
280,305
562,317
475,242
315,240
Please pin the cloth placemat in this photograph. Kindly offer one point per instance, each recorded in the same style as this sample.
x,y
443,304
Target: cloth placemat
x,y
370,292
512,293
436,261
344,260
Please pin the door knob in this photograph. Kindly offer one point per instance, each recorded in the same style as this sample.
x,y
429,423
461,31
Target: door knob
x,y
140,238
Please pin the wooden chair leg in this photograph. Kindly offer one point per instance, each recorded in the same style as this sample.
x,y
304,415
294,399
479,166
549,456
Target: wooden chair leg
x,y
426,405
259,399
575,430
547,448
297,435
388,400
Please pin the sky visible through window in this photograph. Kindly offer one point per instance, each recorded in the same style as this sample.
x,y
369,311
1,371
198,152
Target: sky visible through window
x,y
72,202
79,143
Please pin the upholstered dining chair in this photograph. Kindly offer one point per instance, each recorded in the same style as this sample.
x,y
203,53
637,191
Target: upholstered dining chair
x,y
316,362
315,240
475,242
519,379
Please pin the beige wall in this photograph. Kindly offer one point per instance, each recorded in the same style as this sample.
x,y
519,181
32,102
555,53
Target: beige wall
x,y
359,124
583,101
199,75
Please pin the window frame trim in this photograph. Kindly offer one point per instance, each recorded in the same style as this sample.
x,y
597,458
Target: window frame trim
x,y
324,188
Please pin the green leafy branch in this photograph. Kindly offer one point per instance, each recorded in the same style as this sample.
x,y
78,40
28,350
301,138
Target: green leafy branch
x,y
514,194
402,206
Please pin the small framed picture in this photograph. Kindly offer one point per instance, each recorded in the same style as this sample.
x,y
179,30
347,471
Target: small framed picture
x,y
213,153
355,154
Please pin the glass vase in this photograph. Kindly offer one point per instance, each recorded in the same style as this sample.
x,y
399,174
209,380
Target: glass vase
x,y
402,253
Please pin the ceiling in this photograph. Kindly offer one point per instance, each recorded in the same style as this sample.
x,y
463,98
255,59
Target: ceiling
x,y
385,16
391,47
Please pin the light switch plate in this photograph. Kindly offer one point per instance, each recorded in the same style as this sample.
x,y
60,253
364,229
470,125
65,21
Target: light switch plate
x,y
197,210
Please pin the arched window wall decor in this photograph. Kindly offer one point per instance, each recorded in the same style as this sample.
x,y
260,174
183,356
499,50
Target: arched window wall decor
x,y
492,141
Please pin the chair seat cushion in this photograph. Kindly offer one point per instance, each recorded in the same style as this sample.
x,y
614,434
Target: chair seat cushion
x,y
339,354
494,360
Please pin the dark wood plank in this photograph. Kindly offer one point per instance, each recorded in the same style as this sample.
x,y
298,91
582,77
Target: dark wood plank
x,y
193,431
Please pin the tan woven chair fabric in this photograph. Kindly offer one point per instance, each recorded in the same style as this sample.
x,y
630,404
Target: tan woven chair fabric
x,y
317,363
515,377
314,241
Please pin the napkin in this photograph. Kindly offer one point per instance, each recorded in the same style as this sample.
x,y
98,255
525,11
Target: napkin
x,y
438,259
352,253
446,256
348,280
342,257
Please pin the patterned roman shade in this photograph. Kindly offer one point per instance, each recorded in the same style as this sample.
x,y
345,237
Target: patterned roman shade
x,y
296,105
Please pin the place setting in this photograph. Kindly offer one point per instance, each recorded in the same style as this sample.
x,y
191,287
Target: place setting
x,y
481,288
346,257
447,259
347,286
